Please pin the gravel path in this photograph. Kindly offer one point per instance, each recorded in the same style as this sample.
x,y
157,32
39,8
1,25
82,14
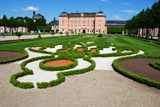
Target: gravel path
x,y
28,37
93,89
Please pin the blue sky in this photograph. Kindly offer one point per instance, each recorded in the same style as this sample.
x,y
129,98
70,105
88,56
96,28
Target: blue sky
x,y
113,9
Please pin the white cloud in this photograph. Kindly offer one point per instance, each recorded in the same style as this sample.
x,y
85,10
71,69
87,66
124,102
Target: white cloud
x,y
129,11
30,8
105,1
117,17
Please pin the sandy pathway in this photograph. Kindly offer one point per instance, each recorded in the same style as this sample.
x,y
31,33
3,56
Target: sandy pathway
x,y
93,89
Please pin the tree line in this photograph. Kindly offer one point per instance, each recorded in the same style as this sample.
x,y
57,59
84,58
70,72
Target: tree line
x,y
147,20
21,22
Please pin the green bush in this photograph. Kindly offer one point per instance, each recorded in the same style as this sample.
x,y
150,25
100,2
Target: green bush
x,y
39,36
115,30
72,54
61,33
100,35
61,78
155,65
52,33
25,85
39,51
42,84
43,28
19,34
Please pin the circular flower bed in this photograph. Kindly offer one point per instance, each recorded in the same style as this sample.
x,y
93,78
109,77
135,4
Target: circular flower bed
x,y
59,64
80,49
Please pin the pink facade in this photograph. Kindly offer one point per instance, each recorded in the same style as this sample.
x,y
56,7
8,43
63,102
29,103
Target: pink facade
x,y
83,22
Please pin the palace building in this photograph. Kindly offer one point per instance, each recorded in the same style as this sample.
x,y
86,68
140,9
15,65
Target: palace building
x,y
82,22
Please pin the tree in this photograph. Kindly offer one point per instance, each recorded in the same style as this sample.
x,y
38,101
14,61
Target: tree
x,y
156,15
140,21
149,22
5,22
29,23
40,22
19,34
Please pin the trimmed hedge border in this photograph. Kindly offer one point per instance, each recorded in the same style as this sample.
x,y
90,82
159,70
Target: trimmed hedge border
x,y
155,65
39,51
24,85
61,75
73,54
25,55
133,76
57,68
26,71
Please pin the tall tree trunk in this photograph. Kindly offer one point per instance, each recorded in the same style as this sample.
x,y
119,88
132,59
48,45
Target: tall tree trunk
x,y
159,34
142,32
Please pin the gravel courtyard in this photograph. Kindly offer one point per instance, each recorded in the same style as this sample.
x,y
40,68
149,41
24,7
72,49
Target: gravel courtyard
x,y
93,89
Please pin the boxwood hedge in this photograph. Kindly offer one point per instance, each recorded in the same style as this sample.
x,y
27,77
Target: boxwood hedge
x,y
155,65
133,76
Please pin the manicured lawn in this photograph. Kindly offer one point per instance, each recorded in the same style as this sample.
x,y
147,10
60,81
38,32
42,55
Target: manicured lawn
x,y
149,48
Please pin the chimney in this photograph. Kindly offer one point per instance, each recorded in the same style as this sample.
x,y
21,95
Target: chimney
x,y
34,13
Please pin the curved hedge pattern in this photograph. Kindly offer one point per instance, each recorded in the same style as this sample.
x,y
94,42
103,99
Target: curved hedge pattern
x,y
133,76
72,54
155,65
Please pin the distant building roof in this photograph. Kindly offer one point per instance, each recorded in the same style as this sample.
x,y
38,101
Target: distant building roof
x,y
37,16
64,13
115,23
83,14
54,22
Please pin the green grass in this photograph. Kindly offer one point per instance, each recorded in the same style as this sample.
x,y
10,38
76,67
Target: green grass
x,y
149,48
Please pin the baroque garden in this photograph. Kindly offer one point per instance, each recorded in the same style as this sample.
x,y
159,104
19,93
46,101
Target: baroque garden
x,y
81,55
86,53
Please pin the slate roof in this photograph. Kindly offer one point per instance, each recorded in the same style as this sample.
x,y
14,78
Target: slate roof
x,y
79,14
115,23
54,22
38,16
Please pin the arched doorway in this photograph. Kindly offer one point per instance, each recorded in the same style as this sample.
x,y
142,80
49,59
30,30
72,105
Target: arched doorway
x,y
84,31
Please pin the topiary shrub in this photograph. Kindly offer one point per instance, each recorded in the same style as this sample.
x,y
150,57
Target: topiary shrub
x,y
19,34
100,35
52,33
39,36
60,33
